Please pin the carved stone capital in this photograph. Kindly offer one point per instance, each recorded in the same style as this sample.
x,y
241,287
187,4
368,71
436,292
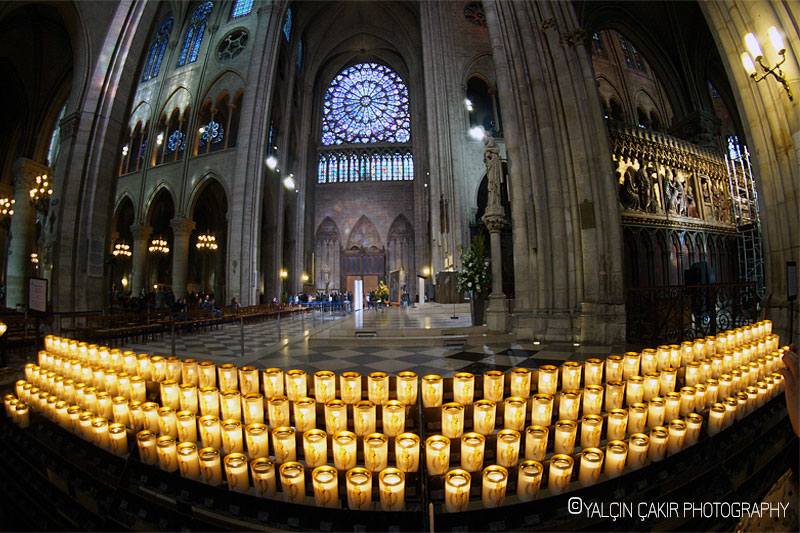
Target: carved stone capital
x,y
141,232
69,125
182,226
25,171
494,219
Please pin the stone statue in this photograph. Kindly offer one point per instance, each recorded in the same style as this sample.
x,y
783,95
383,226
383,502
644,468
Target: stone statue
x,y
671,199
645,189
627,191
494,171
680,198
691,205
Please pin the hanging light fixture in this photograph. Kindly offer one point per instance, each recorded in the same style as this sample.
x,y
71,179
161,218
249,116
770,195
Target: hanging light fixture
x,y
121,249
158,245
40,194
206,242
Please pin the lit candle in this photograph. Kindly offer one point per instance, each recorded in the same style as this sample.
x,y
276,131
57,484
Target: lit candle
x,y
731,407
296,384
591,430
278,411
305,414
158,368
100,432
705,369
717,365
364,418
104,404
210,466
725,386
452,419
359,489
324,386
22,414
692,376
593,372
189,460
616,452
437,454
406,452
463,388
432,390
638,445
173,367
207,374
138,389
658,443
592,399
315,447
326,486
110,381
150,411
272,379
493,383
167,422
673,406
253,408
674,355
547,381
472,448
248,380
630,365
456,490
536,442
186,426
569,404
495,479
89,398
614,394
637,418
566,431
712,391
529,480
667,379
137,415
391,483
378,387
262,471
344,450
228,377
542,410
123,385
169,394
508,447
166,448
393,418
283,439
515,408
146,442
350,384
230,402
614,368
236,472
634,392
335,416
693,424
677,435
189,373
571,375
483,416
376,452
232,441
617,424
741,410
118,438
687,401
210,431
61,413
716,418
209,401
591,465
648,361
119,406
407,387
560,473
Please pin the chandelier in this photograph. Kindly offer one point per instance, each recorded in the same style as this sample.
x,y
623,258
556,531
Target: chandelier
x,y
122,248
206,242
159,246
40,194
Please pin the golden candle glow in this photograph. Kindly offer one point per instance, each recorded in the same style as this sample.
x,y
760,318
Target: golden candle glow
x,y
407,387
542,409
638,445
693,424
687,401
146,442
248,380
138,389
514,411
189,460
564,439
613,368
529,480
167,422
278,411
547,380
376,452
335,416
187,426
634,392
209,401
617,424
437,454
325,481
315,447
677,436
227,377
230,403
495,480
393,418
472,451
392,485
536,442
452,420
211,466
493,383
344,450
559,473
378,387
593,372
463,388
296,384
658,443
571,375
592,400
272,379
359,489
630,365
210,431
166,448
350,385
305,414
406,452
283,439
190,374
118,438
673,406
253,408
262,470
100,432
615,391
508,444
591,466
236,472
432,390
483,416
667,379
456,490
616,453
648,361
364,417
232,439
637,418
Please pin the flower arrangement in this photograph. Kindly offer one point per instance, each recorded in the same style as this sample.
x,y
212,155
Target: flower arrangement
x,y
474,274
382,292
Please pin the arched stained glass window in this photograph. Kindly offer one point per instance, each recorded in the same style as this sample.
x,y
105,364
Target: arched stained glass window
x,y
287,25
157,49
241,8
194,33
55,139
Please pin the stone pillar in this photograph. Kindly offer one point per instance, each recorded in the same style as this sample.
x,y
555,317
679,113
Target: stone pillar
x,y
497,311
181,232
23,230
141,236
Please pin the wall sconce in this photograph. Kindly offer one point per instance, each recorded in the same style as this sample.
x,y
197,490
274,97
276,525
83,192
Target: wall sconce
x,y
426,271
35,258
304,277
284,274
40,194
289,183
272,162
755,52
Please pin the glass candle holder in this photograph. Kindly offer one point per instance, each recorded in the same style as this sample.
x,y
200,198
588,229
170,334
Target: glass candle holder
x,y
110,381
667,379
614,368
452,420
648,361
272,380
210,431
407,387
146,442
364,418
232,439
189,460
591,466
100,432
325,481
493,383
565,433
150,411
637,418
406,452
305,414
559,473
694,422
137,415
658,443
529,480
190,374
542,409
118,438
278,411
262,470
616,453
712,391
651,385
569,404
236,472
483,416
432,390
230,403
472,451
742,409
717,365
437,454
167,422
520,381
227,377
593,372
508,444
630,365
144,368
376,452
293,481
456,490
494,482
731,407
315,447
104,404
725,388
324,386
158,369
638,446
592,400
186,426
617,424
209,401
514,412
138,389
253,408
536,442
210,466
166,448
391,484
172,367
283,440
547,380
692,375
120,409
674,355
61,413
344,450
335,416
705,369
350,385
677,436
378,387
169,394
296,384
188,395
615,391
393,414
591,430
248,380
359,489
687,404
634,392
571,375
716,418
463,388
673,406
89,398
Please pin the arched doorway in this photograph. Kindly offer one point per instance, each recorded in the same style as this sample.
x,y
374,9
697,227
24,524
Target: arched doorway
x,y
207,261
159,251
121,250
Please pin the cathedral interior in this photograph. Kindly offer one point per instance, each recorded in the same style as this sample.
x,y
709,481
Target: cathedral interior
x,y
633,168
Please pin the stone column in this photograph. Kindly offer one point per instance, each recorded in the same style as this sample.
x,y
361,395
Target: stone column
x,y
23,230
181,232
141,236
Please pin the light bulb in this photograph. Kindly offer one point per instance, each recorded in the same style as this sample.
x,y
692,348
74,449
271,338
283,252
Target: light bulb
x,y
752,45
777,40
749,66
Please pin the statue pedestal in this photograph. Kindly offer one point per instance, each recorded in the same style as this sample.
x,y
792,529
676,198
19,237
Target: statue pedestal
x,y
497,313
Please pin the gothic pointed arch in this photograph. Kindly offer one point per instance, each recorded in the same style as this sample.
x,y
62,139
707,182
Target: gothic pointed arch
x,y
400,250
328,247
364,235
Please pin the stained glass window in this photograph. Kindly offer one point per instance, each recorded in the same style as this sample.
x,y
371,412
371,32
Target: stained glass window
x,y
212,133
194,33
597,46
55,139
300,54
157,49
176,141
241,8
287,25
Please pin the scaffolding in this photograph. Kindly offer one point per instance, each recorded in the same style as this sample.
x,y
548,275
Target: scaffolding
x,y
745,215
